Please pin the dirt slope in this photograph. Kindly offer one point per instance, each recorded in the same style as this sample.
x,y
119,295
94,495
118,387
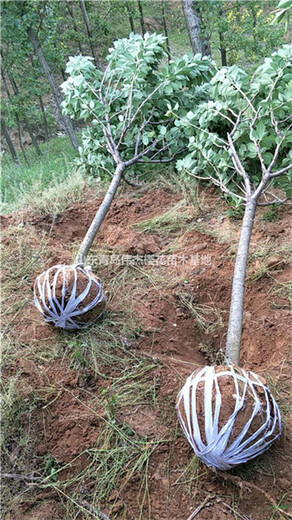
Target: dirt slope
x,y
177,281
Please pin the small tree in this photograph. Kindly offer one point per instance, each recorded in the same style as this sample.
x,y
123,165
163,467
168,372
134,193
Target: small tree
x,y
126,106
241,142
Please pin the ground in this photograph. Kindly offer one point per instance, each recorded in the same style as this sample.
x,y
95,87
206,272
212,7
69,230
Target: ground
x,y
89,416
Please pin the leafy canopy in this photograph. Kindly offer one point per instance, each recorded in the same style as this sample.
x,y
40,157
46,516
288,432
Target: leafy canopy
x,y
257,112
127,104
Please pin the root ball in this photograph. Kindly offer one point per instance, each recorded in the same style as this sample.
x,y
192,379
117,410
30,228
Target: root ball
x,y
69,296
228,415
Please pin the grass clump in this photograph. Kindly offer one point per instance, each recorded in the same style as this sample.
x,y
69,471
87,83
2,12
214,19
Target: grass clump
x,y
172,221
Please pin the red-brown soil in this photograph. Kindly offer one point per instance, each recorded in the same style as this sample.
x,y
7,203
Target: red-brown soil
x,y
64,423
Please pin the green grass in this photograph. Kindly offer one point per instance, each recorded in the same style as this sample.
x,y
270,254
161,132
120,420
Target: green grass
x,y
24,183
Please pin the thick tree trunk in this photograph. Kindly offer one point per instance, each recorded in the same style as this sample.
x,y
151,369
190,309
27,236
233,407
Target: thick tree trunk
x,y
9,142
54,87
141,18
131,20
199,42
101,213
71,13
234,332
88,29
165,27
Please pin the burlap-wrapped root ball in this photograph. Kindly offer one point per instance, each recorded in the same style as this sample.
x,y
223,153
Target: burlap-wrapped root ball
x,y
229,416
69,296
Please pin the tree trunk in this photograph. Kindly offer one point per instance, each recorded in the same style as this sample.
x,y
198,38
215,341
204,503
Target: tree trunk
x,y
54,87
131,20
25,121
9,142
223,52
46,128
200,44
141,18
71,13
88,29
19,130
101,213
165,27
234,332
6,88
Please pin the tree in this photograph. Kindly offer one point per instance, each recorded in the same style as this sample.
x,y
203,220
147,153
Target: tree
x,y
199,40
241,142
126,107
165,26
27,27
33,37
142,22
87,25
241,30
9,142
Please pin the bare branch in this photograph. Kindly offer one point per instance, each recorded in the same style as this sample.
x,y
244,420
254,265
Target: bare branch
x,y
142,104
238,165
273,202
133,184
280,172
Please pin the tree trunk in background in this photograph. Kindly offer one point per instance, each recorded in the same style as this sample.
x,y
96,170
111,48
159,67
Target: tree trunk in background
x,y
141,18
165,27
54,86
46,128
131,20
25,121
9,142
222,50
199,42
6,88
19,130
88,29
71,13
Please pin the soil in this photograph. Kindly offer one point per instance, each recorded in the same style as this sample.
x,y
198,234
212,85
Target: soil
x,y
64,424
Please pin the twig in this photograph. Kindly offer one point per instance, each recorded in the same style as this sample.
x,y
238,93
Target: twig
x,y
240,515
94,510
16,476
133,184
201,506
249,485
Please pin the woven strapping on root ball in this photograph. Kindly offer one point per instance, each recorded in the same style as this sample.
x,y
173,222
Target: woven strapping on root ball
x,y
69,296
229,416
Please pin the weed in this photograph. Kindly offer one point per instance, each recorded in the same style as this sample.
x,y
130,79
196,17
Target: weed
x,y
173,220
58,196
207,317
271,215
51,468
281,294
